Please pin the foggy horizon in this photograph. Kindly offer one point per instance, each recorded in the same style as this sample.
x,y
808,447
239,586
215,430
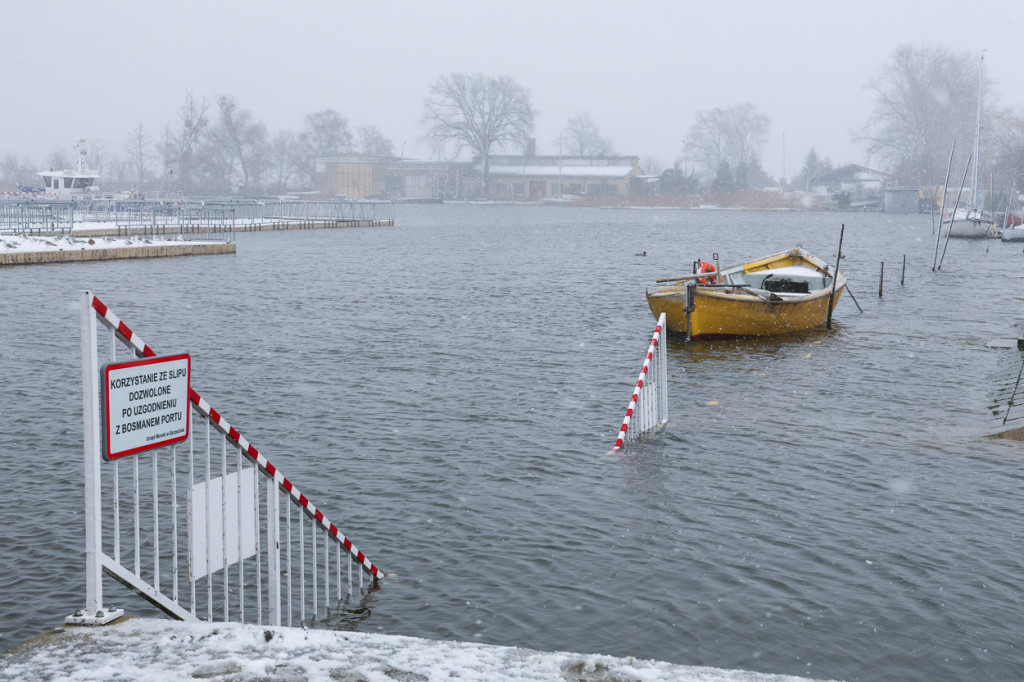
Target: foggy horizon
x,y
98,71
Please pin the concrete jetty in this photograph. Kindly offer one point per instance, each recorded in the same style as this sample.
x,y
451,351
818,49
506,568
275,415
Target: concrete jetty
x,y
134,251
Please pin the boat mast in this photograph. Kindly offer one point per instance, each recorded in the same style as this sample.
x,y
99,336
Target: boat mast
x,y
81,155
977,133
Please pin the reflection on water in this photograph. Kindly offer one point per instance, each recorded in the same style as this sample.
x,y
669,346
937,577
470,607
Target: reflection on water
x,y
447,390
350,611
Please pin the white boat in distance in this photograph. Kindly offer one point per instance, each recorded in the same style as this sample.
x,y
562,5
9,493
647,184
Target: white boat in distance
x,y
71,184
973,222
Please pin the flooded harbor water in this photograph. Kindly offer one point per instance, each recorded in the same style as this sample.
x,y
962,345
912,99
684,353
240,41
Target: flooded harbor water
x,y
448,389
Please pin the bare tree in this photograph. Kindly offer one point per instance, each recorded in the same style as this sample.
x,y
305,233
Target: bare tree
x,y
58,159
284,160
325,133
137,153
582,137
1008,160
182,147
734,136
243,140
651,165
373,143
15,172
478,112
925,97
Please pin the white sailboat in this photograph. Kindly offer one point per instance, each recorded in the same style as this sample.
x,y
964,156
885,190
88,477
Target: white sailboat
x,y
972,222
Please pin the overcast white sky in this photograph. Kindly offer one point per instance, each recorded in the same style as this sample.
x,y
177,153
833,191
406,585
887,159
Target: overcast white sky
x,y
641,68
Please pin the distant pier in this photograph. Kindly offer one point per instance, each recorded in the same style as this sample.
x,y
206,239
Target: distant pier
x,y
199,224
140,251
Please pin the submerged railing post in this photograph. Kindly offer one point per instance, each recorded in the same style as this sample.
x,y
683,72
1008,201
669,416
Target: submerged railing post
x,y
648,405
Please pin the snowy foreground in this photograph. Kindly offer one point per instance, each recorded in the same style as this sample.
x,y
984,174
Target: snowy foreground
x,y
151,649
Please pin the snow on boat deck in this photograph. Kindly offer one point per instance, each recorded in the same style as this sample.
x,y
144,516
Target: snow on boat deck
x,y
152,649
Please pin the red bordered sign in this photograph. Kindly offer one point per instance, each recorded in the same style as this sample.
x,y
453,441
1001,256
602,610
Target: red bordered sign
x,y
145,404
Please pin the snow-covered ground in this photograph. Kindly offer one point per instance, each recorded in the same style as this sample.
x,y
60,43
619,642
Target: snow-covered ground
x,y
150,649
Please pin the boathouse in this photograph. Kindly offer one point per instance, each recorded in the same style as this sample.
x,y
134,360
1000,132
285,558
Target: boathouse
x,y
531,177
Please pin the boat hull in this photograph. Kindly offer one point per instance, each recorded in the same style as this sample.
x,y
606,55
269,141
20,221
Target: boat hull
x,y
1013,234
971,229
717,314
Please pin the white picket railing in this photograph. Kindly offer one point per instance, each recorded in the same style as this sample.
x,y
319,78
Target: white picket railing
x,y
198,515
648,406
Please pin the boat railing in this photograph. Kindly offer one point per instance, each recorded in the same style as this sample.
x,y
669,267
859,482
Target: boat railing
x,y
194,535
648,406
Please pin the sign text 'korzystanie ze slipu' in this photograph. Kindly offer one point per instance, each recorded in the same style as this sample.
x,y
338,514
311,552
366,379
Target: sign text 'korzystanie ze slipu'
x,y
145,404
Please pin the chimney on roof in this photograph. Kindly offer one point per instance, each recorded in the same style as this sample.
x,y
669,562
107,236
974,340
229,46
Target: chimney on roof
x,y
531,147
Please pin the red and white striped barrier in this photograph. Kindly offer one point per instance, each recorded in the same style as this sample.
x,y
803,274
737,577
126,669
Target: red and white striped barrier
x,y
111,320
657,346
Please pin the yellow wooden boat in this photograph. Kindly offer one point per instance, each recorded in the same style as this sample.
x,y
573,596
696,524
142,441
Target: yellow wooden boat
x,y
779,294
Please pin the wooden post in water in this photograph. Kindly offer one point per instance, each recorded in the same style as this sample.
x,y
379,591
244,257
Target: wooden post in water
x,y
945,183
903,274
881,279
835,276
956,204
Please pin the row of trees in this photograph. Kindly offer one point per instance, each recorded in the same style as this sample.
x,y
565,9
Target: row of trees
x,y
924,98
221,148
928,97
216,148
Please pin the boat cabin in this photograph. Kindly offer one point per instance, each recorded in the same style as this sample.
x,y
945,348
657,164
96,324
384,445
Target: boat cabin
x,y
69,183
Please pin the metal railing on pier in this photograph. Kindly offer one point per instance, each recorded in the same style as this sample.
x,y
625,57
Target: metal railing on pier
x,y
193,534
185,218
36,218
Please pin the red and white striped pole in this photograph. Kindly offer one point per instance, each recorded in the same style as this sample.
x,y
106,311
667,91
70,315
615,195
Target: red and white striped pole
x,y
111,320
655,339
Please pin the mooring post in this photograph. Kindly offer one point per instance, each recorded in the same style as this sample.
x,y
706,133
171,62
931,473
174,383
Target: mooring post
x,y
835,277
903,274
881,279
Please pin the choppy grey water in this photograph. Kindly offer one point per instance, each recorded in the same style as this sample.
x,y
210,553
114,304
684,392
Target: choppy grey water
x,y
448,391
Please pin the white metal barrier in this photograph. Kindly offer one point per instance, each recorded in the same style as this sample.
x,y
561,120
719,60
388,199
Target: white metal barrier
x,y
198,515
648,406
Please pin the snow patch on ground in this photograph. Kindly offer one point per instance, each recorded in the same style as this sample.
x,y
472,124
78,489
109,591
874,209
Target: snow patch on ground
x,y
151,649
18,244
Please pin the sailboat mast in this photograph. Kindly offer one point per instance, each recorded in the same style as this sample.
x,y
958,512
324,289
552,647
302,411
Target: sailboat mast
x,y
977,134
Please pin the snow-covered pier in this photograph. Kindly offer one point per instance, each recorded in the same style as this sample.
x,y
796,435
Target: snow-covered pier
x,y
38,250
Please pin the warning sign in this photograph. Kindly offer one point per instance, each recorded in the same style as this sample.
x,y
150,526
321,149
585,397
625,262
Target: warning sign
x,y
145,404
